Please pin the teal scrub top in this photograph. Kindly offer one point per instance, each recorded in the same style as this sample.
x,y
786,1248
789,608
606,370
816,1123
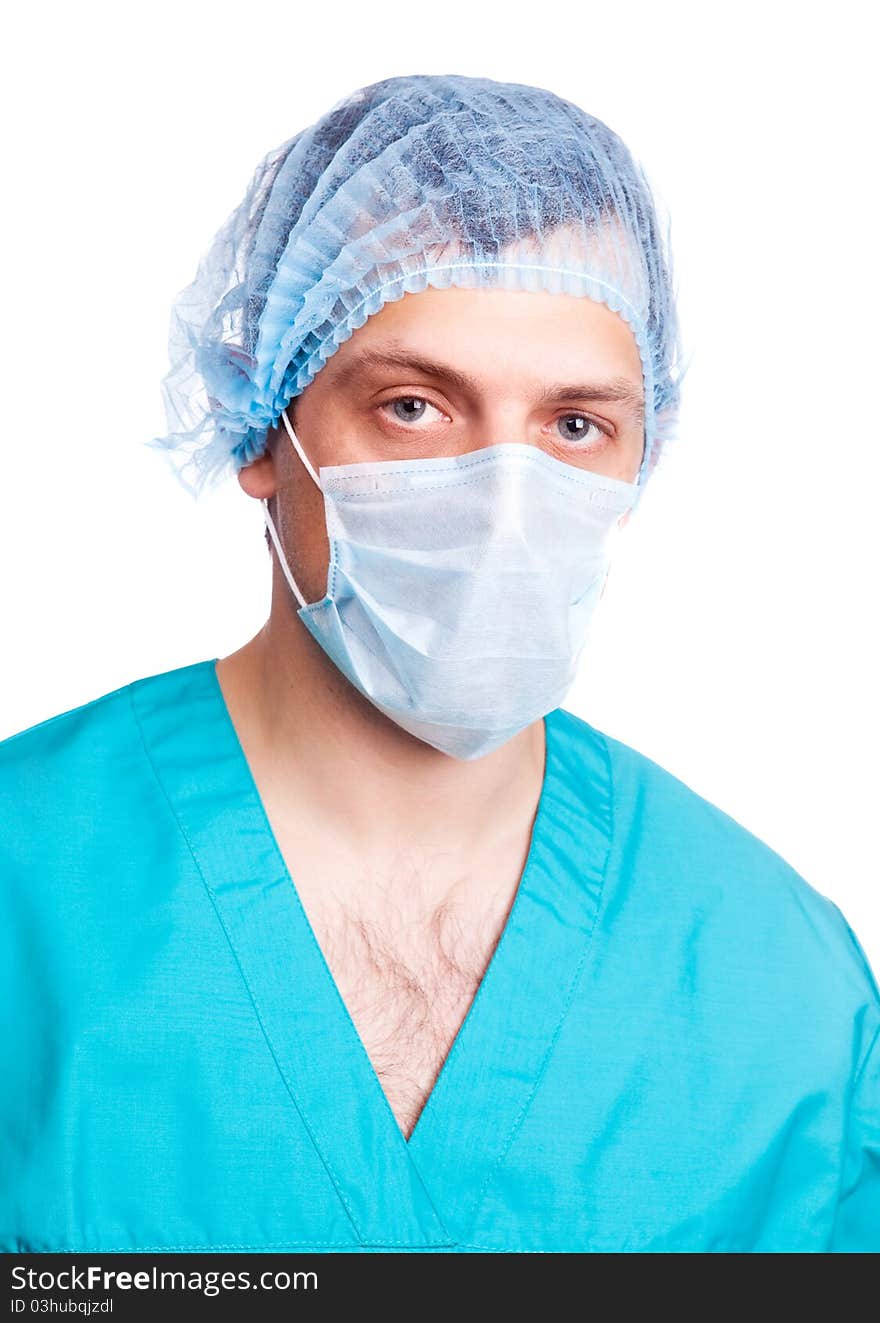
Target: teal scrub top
x,y
674,1048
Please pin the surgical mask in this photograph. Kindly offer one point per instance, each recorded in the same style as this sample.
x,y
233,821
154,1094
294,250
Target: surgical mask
x,y
460,590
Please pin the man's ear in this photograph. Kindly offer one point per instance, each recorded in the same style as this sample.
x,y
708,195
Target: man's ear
x,y
259,479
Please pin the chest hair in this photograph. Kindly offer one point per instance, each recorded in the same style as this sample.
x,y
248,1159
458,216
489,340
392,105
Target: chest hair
x,y
408,973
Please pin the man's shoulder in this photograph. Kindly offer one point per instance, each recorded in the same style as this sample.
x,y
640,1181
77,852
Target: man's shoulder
x,y
57,760
672,815
59,733
678,815
700,860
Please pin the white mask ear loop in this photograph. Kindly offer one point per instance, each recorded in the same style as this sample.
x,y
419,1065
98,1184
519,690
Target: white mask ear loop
x,y
299,450
282,559
270,523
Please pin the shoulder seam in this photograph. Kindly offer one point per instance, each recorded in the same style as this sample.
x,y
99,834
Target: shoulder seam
x,y
68,712
851,1096
863,1064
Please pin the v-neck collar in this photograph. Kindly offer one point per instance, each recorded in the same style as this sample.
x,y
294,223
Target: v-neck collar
x,y
423,1193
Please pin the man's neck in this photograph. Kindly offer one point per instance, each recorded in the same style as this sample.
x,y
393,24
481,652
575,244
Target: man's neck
x,y
316,744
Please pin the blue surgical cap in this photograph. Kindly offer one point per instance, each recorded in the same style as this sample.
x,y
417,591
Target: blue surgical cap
x,y
412,181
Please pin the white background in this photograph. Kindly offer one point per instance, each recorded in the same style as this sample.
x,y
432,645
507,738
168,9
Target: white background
x,y
737,640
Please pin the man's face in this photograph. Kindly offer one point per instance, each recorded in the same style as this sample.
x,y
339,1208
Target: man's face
x,y
448,371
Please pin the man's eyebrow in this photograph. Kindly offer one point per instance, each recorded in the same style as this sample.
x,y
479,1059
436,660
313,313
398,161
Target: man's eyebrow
x,y
619,389
390,358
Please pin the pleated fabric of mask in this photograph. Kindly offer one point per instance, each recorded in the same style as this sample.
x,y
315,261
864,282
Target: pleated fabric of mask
x,y
461,589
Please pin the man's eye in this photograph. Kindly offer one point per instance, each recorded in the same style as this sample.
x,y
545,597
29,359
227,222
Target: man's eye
x,y
575,427
409,408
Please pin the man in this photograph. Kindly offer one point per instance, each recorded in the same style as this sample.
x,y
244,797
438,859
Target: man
x,y
356,939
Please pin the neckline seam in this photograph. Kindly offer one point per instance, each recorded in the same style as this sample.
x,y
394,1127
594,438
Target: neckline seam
x,y
210,665
516,906
607,829
285,878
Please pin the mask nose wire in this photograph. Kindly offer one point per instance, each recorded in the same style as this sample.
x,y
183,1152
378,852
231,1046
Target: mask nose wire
x,y
270,524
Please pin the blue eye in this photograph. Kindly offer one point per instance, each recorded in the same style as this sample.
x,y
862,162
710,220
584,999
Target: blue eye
x,y
409,408
412,409
581,428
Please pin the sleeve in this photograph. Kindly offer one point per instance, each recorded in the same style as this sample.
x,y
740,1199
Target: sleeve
x,y
856,1227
